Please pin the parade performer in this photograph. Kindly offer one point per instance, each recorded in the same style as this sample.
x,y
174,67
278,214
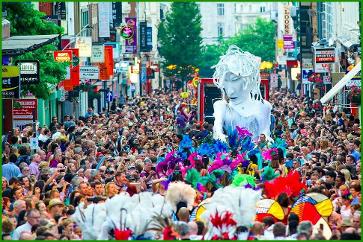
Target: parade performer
x,y
238,77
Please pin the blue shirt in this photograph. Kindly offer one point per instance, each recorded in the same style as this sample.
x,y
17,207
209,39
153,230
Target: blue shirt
x,y
10,170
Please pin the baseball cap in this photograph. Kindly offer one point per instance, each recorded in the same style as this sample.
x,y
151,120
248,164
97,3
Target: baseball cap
x,y
55,202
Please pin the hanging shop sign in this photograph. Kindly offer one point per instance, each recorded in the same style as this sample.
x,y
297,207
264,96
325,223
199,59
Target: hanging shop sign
x,y
131,42
97,54
287,19
75,68
324,55
84,44
288,42
89,72
29,71
65,56
127,32
104,19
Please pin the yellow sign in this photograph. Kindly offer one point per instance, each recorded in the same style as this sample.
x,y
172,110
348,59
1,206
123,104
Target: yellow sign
x,y
280,44
10,71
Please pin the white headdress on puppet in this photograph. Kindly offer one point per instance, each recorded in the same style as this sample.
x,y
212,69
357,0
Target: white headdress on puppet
x,y
242,64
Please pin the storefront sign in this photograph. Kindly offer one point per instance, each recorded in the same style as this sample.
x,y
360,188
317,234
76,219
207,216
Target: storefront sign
x,y
116,49
306,72
143,44
74,69
325,55
11,87
109,60
89,72
25,109
10,71
287,19
288,42
97,54
116,14
84,44
131,44
29,71
63,56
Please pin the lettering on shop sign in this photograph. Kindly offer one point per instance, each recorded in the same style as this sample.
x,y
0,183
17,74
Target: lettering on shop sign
x,y
29,71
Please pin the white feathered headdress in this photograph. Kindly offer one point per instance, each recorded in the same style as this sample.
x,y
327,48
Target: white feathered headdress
x,y
179,192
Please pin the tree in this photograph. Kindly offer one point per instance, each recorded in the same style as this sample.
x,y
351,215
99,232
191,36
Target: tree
x,y
25,20
257,38
180,40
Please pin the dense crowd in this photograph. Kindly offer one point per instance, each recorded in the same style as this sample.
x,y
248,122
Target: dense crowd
x,y
95,157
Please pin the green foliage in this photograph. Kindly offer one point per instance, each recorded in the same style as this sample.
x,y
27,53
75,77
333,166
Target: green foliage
x,y
51,72
179,39
24,20
258,39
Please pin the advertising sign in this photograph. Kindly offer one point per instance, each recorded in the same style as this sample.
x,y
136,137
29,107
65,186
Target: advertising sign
x,y
116,49
306,72
25,109
11,82
149,38
89,72
103,20
11,87
116,14
65,56
288,42
131,44
29,71
324,55
84,44
97,54
274,80
287,19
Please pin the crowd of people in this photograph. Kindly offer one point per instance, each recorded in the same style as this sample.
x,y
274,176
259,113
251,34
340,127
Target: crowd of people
x,y
94,158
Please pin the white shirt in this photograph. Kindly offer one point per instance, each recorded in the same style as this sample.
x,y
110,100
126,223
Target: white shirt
x,y
56,135
23,228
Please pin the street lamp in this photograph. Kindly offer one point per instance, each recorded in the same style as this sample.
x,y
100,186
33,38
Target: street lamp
x,y
83,29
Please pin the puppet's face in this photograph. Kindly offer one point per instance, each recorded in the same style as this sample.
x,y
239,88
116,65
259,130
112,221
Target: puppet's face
x,y
235,88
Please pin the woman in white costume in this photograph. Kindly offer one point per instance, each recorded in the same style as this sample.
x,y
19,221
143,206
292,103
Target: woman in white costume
x,y
237,74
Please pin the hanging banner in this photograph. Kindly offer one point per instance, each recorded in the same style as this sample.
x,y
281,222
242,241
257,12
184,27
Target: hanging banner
x,y
109,60
143,42
88,72
149,38
103,20
116,14
131,44
84,45
29,71
65,56
287,19
75,68
288,42
97,54
116,49
103,75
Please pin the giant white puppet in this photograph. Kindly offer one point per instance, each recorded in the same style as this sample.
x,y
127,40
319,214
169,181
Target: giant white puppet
x,y
237,74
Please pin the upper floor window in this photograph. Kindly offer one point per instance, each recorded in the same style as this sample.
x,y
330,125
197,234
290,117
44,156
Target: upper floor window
x,y
220,9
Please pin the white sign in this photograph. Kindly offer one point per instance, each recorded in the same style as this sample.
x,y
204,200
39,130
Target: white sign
x,y
84,44
28,68
354,83
321,67
104,13
88,72
287,19
274,80
97,54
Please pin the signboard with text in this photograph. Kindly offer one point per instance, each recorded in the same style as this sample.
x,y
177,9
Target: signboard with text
x,y
25,109
89,72
288,42
84,44
29,71
131,44
10,82
97,54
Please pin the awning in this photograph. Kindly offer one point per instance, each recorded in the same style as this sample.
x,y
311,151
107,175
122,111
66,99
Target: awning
x,y
17,45
339,86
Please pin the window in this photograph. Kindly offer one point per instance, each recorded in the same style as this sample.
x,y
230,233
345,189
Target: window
x,y
84,21
220,27
262,9
220,9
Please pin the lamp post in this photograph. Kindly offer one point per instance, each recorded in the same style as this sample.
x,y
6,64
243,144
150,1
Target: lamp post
x,y
73,38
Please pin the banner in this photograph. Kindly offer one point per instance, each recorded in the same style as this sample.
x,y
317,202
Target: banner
x,y
103,20
25,109
84,45
149,38
131,44
88,72
65,56
11,87
29,71
109,60
97,54
143,44
116,14
116,49
75,68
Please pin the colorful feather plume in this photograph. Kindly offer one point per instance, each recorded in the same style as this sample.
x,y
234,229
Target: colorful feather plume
x,y
243,132
291,185
243,180
269,153
205,149
268,174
